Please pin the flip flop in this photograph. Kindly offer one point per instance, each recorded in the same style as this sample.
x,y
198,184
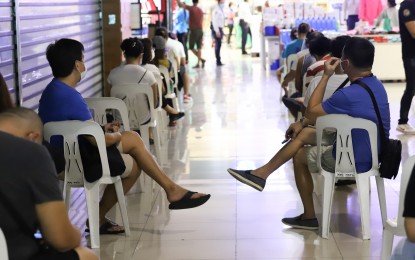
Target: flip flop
x,y
106,228
186,202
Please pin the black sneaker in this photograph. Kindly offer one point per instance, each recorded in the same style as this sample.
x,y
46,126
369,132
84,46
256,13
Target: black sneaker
x,y
174,117
247,178
297,222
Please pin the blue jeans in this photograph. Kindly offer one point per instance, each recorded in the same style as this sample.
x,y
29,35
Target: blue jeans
x,y
408,94
405,250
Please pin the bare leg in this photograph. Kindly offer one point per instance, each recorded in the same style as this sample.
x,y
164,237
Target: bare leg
x,y
109,198
307,136
197,54
134,146
304,183
170,110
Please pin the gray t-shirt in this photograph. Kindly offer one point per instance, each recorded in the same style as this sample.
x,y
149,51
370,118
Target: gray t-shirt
x,y
27,178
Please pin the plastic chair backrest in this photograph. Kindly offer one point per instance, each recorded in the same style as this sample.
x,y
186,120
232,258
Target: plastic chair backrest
x,y
160,89
3,247
129,94
345,160
405,176
290,59
70,130
100,105
166,75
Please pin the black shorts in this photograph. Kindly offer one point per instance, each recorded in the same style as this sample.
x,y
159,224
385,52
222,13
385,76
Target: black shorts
x,y
52,254
195,38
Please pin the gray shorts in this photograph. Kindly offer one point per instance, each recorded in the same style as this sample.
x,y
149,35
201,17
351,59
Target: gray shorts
x,y
327,160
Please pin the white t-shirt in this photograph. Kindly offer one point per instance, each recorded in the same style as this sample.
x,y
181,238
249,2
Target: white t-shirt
x,y
152,68
176,47
334,82
133,74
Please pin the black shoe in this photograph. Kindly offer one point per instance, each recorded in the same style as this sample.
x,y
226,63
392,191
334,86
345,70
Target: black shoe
x,y
247,178
297,222
203,63
244,53
219,64
174,117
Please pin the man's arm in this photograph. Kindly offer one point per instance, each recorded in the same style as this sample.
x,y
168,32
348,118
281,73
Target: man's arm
x,y
56,228
315,108
182,5
410,228
411,28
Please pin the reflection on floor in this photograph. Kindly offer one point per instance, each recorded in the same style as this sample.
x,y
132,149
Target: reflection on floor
x,y
237,120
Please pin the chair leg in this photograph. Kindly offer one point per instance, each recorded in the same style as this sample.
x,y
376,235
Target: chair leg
x,y
387,244
327,201
123,208
67,195
382,199
92,202
362,183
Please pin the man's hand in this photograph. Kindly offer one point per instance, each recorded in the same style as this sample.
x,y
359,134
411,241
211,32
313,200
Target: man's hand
x,y
330,66
293,130
218,35
112,127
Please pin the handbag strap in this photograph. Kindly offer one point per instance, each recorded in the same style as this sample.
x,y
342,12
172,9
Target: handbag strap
x,y
375,104
343,84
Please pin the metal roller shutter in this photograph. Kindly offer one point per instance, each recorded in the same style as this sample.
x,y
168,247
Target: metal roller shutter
x,y
41,22
7,57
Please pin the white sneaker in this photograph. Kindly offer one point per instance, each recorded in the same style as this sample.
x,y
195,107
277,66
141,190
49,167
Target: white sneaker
x,y
406,129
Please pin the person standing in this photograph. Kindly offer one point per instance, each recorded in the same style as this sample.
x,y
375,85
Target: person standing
x,y
407,32
218,22
181,28
230,21
244,14
351,13
196,30
390,17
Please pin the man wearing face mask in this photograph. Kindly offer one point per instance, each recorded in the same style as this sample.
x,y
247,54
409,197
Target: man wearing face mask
x,y
218,22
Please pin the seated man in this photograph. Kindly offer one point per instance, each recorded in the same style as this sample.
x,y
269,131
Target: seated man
x,y
406,247
30,198
307,136
320,50
178,50
60,101
356,62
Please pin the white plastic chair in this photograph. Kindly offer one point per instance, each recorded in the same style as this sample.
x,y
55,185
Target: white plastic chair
x,y
74,173
129,95
170,92
100,105
395,226
3,247
162,115
345,167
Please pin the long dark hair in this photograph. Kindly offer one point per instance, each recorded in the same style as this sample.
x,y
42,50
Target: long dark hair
x,y
148,46
5,99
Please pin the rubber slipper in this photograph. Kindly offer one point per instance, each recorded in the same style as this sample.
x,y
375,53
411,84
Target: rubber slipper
x,y
106,228
186,202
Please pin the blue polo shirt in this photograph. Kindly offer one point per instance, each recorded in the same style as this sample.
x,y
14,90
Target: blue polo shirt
x,y
60,102
292,48
355,101
182,21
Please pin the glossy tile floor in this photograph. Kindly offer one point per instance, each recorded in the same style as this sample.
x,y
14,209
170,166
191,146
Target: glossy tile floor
x,y
236,120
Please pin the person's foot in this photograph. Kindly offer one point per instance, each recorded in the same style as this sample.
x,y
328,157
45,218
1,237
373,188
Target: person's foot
x,y
219,64
196,66
180,196
244,53
175,117
187,98
247,178
299,222
203,63
406,129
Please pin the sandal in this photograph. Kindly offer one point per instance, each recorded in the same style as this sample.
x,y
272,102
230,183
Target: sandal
x,y
186,202
106,228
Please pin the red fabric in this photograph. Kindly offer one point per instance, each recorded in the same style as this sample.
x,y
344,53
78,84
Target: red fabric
x,y
369,10
195,17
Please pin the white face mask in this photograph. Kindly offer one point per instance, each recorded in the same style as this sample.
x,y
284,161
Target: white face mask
x,y
83,73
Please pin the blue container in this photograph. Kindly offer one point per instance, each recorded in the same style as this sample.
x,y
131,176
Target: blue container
x,y
275,65
269,30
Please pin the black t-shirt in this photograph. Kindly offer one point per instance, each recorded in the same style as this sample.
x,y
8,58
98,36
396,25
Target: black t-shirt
x,y
409,206
27,178
407,14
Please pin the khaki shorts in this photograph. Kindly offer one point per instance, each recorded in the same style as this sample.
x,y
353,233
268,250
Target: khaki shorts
x,y
195,38
327,160
128,161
